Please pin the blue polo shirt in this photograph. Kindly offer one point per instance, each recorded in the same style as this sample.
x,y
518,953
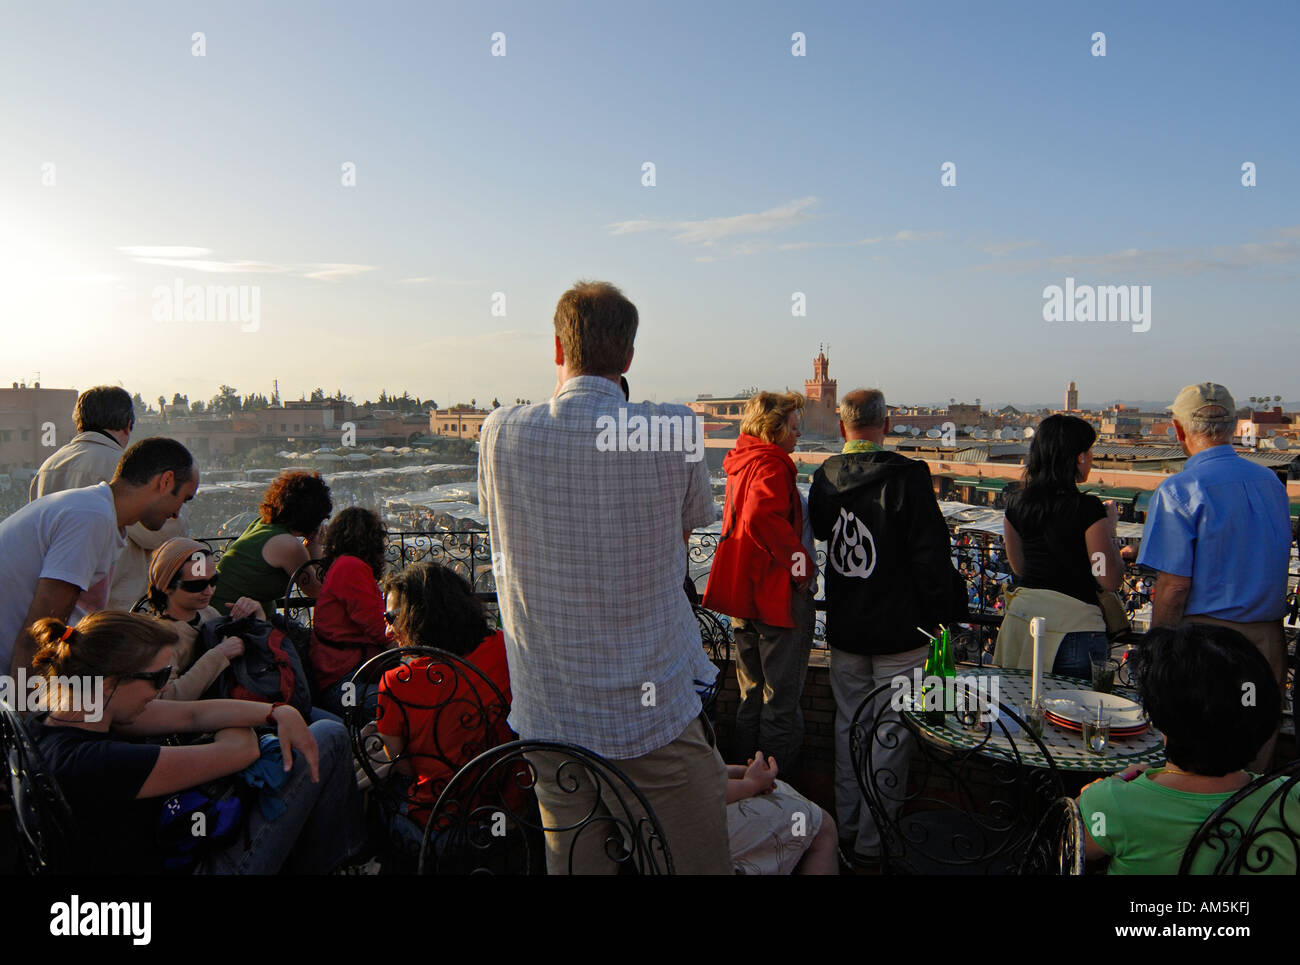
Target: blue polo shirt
x,y
1225,523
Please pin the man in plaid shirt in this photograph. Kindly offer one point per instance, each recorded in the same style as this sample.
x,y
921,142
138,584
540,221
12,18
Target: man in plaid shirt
x,y
590,500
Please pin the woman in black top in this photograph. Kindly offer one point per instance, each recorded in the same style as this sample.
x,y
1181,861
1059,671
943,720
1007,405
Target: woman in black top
x,y
1060,539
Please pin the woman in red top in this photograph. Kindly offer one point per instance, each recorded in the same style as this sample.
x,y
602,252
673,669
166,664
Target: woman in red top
x,y
762,577
432,721
349,626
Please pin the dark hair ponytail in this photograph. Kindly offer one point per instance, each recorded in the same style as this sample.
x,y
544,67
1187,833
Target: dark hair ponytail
x,y
1051,471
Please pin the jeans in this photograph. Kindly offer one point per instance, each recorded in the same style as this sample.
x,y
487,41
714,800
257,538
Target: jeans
x,y
853,676
1074,658
771,665
320,828
331,698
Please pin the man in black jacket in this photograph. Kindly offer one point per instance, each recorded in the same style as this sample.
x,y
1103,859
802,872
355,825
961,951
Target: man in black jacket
x,y
888,571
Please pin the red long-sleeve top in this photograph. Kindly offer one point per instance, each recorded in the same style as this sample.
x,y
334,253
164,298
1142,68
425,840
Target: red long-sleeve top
x,y
350,609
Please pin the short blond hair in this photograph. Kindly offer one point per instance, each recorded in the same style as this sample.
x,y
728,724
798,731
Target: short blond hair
x,y
766,413
596,325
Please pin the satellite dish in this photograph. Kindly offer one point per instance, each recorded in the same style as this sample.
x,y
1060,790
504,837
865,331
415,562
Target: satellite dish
x,y
933,433
1170,432
915,432
1029,433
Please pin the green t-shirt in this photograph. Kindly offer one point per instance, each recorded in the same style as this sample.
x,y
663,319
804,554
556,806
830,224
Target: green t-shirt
x,y
1145,826
244,572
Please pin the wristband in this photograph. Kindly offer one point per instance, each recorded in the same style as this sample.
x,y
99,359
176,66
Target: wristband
x,y
270,714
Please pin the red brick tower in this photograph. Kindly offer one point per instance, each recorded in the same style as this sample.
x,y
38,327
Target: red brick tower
x,y
821,417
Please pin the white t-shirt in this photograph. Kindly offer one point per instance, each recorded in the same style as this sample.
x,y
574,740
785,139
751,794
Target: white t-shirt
x,y
71,536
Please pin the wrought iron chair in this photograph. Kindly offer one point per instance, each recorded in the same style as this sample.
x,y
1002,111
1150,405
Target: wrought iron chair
x,y
1250,840
297,605
41,815
475,830
448,710
1056,847
944,809
715,634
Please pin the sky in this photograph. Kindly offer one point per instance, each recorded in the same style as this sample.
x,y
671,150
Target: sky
x,y
484,185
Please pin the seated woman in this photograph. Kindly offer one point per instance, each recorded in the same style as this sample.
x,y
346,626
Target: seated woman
x,y
181,581
433,606
772,828
116,784
288,532
349,626
1195,682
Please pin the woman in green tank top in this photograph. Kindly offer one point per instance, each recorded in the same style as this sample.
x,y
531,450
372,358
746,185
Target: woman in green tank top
x,y
288,533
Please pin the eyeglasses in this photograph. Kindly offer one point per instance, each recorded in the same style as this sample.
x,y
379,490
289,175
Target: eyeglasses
x,y
157,678
196,586
390,616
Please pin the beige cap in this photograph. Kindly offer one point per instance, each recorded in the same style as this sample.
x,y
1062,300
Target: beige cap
x,y
1196,397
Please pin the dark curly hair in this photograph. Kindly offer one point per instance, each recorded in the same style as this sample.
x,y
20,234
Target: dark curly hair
x,y
1211,692
298,500
356,532
437,608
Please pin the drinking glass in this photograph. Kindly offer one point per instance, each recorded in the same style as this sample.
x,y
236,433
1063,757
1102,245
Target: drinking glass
x,y
1103,674
1096,730
1035,715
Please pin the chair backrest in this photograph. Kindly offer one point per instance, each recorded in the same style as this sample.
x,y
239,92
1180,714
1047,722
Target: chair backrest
x,y
1254,839
715,635
42,817
1056,847
296,604
448,710
944,806
474,829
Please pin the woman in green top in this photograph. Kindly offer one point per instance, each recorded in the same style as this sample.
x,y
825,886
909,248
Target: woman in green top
x,y
289,532
1213,695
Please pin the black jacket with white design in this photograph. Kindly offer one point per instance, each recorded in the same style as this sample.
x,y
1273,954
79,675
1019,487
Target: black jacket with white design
x,y
888,556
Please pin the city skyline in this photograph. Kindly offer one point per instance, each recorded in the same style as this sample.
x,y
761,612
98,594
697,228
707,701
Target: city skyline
x,y
484,167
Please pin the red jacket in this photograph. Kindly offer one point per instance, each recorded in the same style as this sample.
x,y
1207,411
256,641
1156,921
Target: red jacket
x,y
761,546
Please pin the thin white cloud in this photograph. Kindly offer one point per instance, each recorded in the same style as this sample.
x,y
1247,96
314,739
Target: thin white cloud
x,y
435,280
801,245
1238,259
216,267
909,235
333,271
164,251
1000,248
711,230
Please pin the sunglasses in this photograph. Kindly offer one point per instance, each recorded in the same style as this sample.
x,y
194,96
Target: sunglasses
x,y
196,586
157,678
390,616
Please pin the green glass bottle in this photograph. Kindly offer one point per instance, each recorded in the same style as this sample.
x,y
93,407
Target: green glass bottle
x,y
933,671
949,657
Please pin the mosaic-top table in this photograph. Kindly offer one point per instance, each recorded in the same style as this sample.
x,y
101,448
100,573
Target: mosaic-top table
x,y
1065,746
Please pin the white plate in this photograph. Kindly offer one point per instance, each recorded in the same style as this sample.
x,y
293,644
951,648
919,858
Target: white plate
x,y
1074,705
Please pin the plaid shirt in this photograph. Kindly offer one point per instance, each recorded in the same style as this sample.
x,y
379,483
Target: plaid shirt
x,y
588,555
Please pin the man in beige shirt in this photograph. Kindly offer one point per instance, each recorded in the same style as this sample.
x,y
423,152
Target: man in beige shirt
x,y
105,417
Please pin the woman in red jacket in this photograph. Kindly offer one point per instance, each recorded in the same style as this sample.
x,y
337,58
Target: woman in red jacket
x,y
763,576
349,626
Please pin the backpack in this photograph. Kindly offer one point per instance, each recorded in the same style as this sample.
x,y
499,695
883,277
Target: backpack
x,y
224,805
269,670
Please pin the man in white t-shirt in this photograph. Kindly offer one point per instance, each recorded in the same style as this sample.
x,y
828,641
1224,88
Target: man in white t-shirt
x,y
57,552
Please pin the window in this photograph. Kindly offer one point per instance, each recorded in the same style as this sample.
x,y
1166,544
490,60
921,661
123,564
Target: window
x,y
284,427
295,427
6,435
27,434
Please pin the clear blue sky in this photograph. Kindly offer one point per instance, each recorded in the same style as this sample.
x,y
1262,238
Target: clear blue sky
x,y
478,174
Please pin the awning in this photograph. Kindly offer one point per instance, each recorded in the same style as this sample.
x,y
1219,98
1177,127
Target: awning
x,y
966,480
1144,500
992,485
1295,510
1125,495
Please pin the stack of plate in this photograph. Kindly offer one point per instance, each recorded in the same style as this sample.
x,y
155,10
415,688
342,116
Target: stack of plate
x,y
1068,708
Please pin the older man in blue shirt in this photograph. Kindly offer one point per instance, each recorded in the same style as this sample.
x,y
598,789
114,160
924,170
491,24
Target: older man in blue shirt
x,y
1219,534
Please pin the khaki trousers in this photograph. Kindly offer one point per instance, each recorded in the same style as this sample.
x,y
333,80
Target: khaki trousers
x,y
685,783
1269,639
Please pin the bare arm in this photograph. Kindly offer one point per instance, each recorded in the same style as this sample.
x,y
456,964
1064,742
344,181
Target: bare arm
x,y
54,598
289,553
1169,599
1107,567
179,768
